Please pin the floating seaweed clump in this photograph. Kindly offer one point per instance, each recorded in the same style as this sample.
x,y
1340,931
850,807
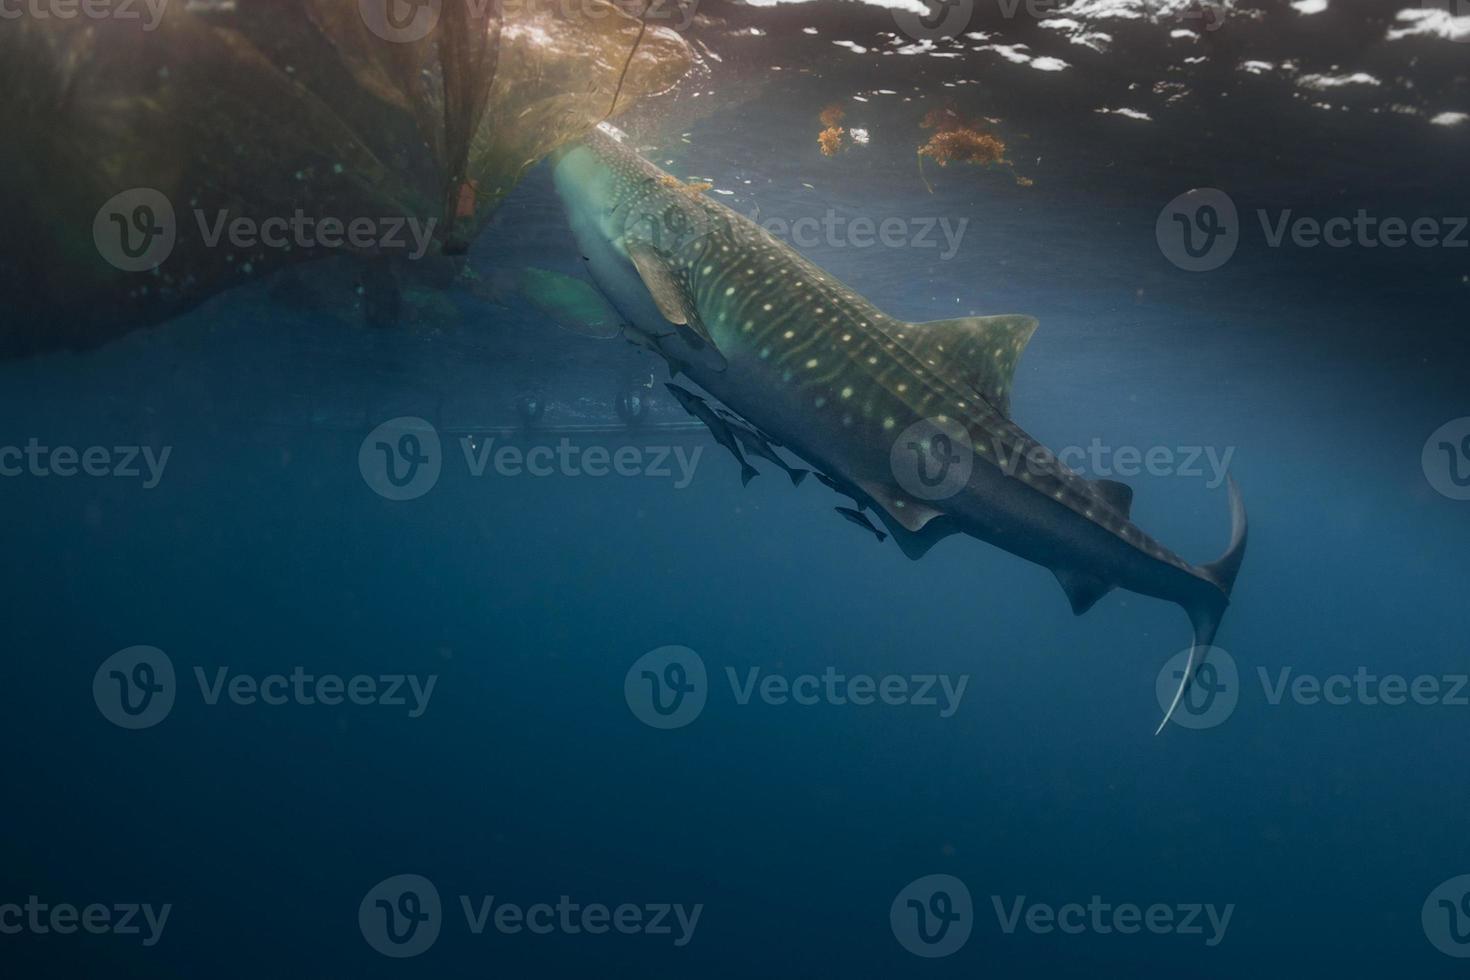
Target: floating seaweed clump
x,y
830,139
964,146
693,187
957,140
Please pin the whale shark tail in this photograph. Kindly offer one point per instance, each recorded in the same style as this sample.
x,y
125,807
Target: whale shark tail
x,y
1206,612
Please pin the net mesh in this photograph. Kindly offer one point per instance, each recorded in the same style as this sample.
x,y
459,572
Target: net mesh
x,y
272,109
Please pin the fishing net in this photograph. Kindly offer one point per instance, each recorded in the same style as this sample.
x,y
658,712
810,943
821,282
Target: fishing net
x,y
142,160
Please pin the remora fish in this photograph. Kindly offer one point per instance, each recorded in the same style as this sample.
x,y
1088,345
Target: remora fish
x,y
845,386
700,409
861,520
755,444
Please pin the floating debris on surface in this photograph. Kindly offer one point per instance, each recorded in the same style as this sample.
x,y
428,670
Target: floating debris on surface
x,y
958,140
830,139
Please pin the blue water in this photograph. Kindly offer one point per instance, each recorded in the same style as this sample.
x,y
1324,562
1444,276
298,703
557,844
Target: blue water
x,y
1324,828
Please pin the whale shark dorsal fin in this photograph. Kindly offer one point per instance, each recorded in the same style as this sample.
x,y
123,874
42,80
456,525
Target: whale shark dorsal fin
x,y
1083,589
1118,496
980,351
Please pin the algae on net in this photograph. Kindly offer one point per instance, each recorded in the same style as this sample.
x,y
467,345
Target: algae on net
x,y
296,109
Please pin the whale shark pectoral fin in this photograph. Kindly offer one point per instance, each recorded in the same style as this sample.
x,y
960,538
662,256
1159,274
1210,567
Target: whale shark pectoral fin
x,y
1118,496
667,294
909,514
672,300
1083,589
980,351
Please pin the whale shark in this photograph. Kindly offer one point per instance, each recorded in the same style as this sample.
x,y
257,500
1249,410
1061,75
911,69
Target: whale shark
x,y
912,420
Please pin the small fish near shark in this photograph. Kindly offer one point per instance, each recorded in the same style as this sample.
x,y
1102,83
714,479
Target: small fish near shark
x,y
724,435
910,420
757,445
861,520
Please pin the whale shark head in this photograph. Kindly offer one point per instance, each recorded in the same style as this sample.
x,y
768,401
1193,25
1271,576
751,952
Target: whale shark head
x,y
638,229
591,180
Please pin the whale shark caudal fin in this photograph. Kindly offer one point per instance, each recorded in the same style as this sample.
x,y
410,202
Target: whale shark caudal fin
x,y
1205,614
978,351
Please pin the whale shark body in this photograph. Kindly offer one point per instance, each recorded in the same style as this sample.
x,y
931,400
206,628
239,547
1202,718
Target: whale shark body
x,y
912,420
